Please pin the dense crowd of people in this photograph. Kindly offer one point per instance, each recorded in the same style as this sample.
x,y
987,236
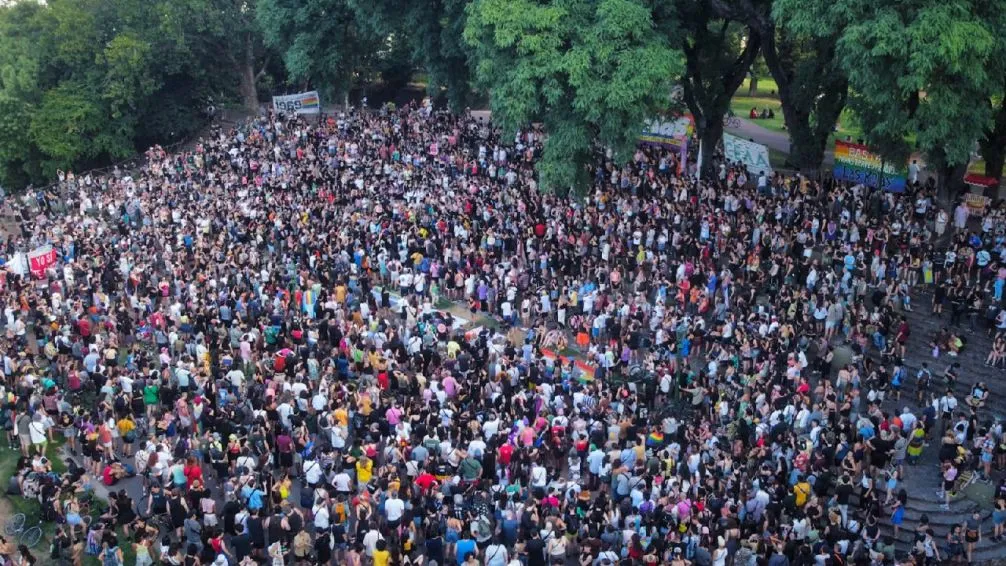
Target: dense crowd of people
x,y
345,341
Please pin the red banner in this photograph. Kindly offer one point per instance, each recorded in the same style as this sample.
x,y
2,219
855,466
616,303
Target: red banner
x,y
41,259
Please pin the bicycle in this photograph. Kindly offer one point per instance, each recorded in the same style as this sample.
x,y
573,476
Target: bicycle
x,y
731,121
14,527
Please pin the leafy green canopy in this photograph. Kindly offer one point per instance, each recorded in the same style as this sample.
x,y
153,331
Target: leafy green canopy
x,y
924,67
322,42
589,71
430,36
84,82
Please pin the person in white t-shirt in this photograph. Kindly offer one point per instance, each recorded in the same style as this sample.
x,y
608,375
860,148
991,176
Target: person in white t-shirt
x,y
394,508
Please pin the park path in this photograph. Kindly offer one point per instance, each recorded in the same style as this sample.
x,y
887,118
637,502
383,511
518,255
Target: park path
x,y
778,141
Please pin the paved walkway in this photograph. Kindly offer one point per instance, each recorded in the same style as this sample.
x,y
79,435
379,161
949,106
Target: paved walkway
x,y
779,141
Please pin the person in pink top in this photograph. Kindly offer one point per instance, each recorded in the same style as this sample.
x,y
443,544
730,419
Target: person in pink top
x,y
393,414
450,386
527,436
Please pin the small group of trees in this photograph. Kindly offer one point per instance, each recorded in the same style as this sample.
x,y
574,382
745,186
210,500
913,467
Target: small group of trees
x,y
85,82
932,70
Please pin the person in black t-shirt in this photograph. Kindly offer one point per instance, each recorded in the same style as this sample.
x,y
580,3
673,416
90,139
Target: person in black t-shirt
x,y
535,549
241,543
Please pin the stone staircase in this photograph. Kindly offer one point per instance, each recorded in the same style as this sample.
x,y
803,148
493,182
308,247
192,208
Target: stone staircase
x,y
924,327
922,480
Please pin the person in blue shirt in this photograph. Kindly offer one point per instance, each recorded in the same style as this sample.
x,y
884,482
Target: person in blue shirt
x,y
463,548
253,495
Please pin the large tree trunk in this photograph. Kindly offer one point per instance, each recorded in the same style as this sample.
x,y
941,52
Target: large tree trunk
x,y
993,145
249,90
954,179
708,97
710,137
809,119
950,178
995,157
753,85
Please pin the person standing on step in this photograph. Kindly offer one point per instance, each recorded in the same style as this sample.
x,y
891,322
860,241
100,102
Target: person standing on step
x,y
973,532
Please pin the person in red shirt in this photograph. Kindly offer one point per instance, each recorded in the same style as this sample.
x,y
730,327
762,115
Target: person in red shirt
x,y
192,471
84,327
505,453
426,481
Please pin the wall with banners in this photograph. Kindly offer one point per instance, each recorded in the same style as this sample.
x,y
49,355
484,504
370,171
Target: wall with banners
x,y
754,156
857,164
668,132
300,103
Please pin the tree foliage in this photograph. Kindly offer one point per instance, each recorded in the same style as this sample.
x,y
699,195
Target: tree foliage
x,y
719,49
589,71
800,51
922,67
432,34
86,82
322,42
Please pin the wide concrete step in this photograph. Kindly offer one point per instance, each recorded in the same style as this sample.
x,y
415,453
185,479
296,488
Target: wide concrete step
x,y
985,550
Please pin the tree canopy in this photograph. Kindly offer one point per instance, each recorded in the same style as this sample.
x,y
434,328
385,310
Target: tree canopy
x,y
929,68
589,71
86,82
110,78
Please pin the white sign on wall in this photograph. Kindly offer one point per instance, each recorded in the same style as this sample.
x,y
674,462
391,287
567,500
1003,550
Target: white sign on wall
x,y
754,156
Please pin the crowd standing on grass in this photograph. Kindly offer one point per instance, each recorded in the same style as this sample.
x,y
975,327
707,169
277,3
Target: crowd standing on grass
x,y
284,334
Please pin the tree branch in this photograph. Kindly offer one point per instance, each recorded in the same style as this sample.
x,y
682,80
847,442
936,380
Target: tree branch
x,y
262,71
774,62
741,65
757,17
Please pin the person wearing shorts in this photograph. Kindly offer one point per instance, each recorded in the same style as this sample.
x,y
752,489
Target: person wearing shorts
x,y
999,519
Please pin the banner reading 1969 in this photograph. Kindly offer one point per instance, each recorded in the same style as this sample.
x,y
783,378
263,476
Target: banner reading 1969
x,y
300,103
857,164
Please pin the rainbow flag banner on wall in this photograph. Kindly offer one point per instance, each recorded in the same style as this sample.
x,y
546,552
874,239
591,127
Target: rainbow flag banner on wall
x,y
857,164
668,132
300,103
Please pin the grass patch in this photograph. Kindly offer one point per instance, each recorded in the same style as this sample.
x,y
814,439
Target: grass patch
x,y
741,107
30,507
766,97
766,87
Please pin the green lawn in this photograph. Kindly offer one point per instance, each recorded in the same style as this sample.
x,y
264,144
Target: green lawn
x,y
766,96
30,507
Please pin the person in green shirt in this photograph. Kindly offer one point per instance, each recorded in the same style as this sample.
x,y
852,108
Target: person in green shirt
x,y
471,469
150,398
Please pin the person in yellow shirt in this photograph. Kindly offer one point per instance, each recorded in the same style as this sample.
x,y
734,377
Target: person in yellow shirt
x,y
381,555
801,491
364,471
127,433
342,416
452,349
364,403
